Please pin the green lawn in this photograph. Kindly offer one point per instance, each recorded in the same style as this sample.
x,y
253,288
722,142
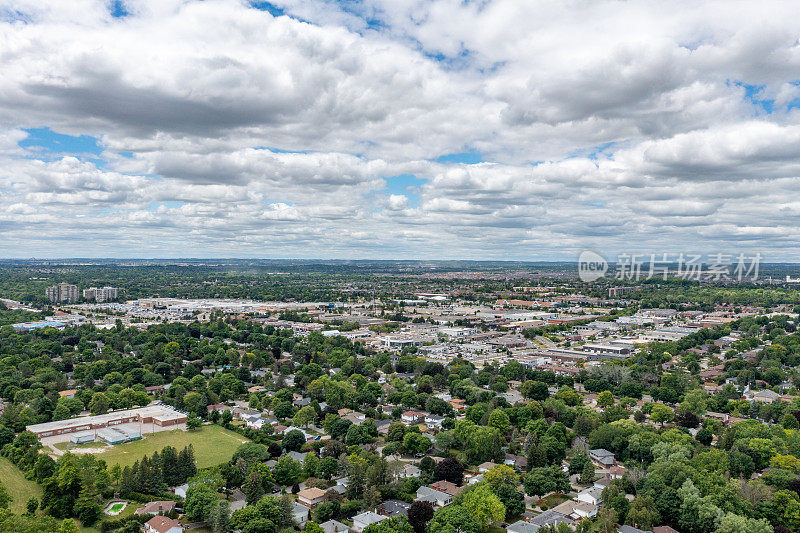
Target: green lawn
x,y
70,446
212,444
20,488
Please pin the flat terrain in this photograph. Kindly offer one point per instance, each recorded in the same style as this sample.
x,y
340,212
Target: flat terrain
x,y
212,444
20,488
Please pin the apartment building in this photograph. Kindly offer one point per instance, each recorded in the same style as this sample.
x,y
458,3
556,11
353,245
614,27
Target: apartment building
x,y
62,293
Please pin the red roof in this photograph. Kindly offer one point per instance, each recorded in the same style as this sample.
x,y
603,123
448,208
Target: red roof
x,y
162,524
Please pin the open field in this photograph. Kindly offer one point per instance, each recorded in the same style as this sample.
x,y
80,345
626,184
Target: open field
x,y
212,444
20,488
69,446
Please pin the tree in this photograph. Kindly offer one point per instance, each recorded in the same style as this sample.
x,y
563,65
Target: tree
x,y
733,523
192,422
499,419
535,390
450,469
605,399
32,505
221,517
661,414
304,416
500,475
578,462
99,404
704,436
68,526
5,497
201,501
453,519
484,505
253,487
587,474
293,441
288,471
416,443
394,524
313,527
87,510
543,480
642,513
513,500
419,514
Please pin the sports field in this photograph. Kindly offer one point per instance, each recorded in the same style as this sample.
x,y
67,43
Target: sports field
x,y
20,488
212,444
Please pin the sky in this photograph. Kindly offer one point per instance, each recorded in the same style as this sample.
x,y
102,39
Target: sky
x,y
413,129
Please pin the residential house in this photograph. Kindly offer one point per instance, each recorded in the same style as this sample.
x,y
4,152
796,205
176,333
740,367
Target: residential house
x,y
435,497
516,461
549,518
383,426
664,529
485,467
602,457
434,421
181,490
408,471
162,524
312,497
412,417
393,508
299,514
367,518
159,508
521,526
355,417
332,526
447,487
576,510
630,529
590,495
298,456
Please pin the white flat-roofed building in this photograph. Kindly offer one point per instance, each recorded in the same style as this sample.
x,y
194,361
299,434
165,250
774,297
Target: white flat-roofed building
x,y
158,415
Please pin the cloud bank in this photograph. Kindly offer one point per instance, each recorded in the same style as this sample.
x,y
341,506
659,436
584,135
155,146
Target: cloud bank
x,y
491,129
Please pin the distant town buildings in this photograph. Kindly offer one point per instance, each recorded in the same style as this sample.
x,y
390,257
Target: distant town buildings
x,y
62,293
100,295
616,292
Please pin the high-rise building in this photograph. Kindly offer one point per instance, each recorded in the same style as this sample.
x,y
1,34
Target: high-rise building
x,y
62,293
100,295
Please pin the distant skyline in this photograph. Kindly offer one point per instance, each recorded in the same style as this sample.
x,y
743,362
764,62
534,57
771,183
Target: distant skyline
x,y
398,129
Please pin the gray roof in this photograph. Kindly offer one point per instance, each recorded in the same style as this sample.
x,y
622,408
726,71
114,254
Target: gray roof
x,y
549,517
332,526
522,526
395,508
630,529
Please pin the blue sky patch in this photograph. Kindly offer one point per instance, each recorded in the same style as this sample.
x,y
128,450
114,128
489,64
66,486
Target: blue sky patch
x,y
117,9
404,184
169,204
46,141
465,158
269,7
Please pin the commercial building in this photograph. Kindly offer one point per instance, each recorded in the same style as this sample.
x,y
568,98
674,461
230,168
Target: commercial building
x,y
100,294
62,293
157,415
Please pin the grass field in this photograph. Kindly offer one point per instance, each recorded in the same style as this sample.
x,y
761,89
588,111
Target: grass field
x,y
212,444
69,446
20,488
